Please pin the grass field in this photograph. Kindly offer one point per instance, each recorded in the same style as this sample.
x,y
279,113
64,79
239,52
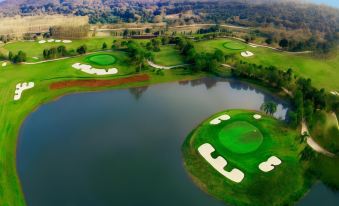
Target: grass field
x,y
168,56
325,131
324,72
34,49
102,59
240,137
233,45
283,185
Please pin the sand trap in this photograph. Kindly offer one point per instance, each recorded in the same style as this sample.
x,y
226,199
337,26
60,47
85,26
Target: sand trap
x,y
257,116
35,58
56,41
21,87
334,93
219,119
270,164
90,70
247,54
4,64
220,163
253,45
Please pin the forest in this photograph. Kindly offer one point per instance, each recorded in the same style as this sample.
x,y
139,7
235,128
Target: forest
x,y
292,25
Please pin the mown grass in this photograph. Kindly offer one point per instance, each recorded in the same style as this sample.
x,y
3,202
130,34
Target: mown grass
x,y
168,56
34,49
282,186
325,131
324,72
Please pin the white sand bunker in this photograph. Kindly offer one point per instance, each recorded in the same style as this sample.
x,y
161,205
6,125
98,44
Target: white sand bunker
x,y
257,116
247,54
218,120
56,41
335,93
4,64
20,88
253,45
90,70
35,58
220,163
270,164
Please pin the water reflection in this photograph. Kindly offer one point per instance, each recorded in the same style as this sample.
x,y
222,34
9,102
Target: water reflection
x,y
106,148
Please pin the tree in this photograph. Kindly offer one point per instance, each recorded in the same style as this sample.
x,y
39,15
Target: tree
x,y
104,46
20,57
269,107
308,110
138,54
269,41
82,49
10,55
283,43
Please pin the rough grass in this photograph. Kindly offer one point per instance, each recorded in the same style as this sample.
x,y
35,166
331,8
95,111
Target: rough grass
x,y
282,186
324,72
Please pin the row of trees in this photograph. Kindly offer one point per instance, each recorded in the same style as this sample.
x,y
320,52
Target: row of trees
x,y
61,51
55,52
306,99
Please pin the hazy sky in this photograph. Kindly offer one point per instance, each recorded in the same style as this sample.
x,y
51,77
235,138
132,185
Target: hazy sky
x,y
329,2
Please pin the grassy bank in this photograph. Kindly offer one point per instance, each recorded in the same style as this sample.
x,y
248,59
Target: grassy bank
x,y
282,186
13,113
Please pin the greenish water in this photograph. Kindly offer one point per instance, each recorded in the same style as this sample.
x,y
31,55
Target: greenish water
x,y
123,147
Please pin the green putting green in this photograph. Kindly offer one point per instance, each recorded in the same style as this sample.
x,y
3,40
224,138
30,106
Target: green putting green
x,y
234,45
241,137
102,59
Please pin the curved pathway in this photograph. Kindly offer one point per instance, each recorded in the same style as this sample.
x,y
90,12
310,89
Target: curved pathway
x,y
164,67
313,144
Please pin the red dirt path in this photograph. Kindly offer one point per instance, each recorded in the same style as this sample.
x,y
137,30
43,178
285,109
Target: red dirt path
x,y
99,83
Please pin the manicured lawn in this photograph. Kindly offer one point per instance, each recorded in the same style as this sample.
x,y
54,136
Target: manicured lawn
x,y
281,186
233,45
102,59
240,137
324,72
168,56
34,49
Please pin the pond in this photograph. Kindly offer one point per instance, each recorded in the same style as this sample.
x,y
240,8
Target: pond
x,y
123,147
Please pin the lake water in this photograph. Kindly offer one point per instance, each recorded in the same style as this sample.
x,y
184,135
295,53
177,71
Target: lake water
x,y
122,147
